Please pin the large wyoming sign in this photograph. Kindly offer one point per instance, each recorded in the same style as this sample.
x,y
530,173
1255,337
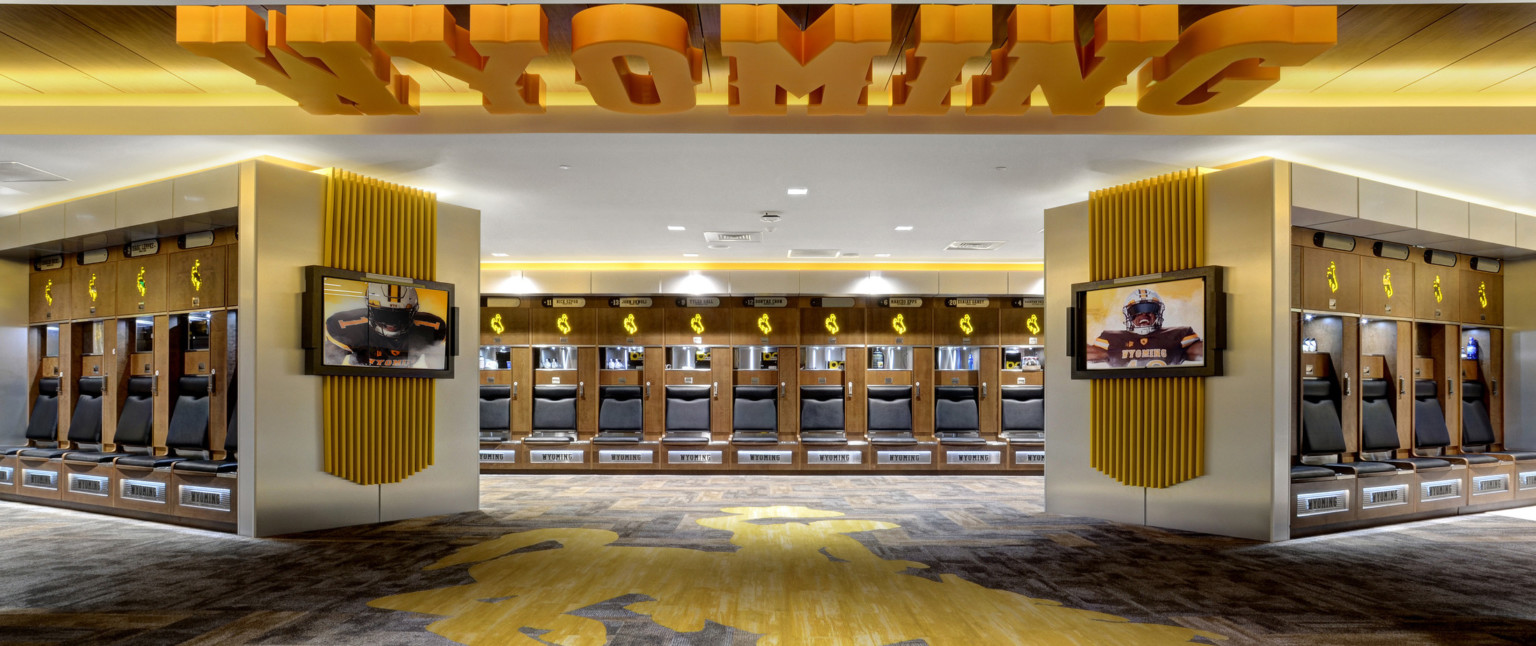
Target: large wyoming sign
x,y
638,59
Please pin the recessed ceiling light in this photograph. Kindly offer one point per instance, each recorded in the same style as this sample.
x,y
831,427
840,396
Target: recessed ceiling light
x,y
690,255
850,254
882,255
564,167
904,227
673,227
500,255
799,190
719,246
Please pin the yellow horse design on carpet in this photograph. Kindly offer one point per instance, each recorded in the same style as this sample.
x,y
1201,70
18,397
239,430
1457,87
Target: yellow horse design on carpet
x,y
790,582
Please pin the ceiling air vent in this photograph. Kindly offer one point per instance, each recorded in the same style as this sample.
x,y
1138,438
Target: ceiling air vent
x,y
18,172
813,253
733,236
975,245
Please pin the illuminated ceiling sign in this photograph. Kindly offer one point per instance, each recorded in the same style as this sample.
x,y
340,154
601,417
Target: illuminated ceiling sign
x,y
698,301
765,301
630,301
901,301
336,60
564,301
973,301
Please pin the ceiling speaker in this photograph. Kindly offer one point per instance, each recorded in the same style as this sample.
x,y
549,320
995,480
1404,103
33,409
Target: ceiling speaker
x,y
1335,241
1390,250
1490,265
1437,257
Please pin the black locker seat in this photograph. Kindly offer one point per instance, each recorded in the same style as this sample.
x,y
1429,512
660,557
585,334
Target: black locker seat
x,y
956,416
1429,430
135,425
554,414
1322,434
187,437
687,415
755,415
821,415
495,413
1023,413
231,445
1477,429
620,415
1378,428
890,415
84,424
43,425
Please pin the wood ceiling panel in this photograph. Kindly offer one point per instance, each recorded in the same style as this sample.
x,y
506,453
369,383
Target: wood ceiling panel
x,y
54,33
1459,34
1525,82
1364,32
150,32
36,70
1485,68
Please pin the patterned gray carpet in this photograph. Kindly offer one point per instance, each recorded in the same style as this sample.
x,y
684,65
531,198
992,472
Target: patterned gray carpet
x,y
69,577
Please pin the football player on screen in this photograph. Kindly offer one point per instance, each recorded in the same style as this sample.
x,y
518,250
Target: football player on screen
x,y
390,332
1145,342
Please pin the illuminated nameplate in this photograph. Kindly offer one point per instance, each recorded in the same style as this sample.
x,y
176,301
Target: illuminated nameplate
x,y
630,301
765,457
695,457
828,301
903,457
973,457
143,491
904,301
6,475
975,301
92,485
141,248
555,457
1317,504
565,301
834,457
503,457
626,457
1374,497
1439,490
1528,480
92,257
1029,457
205,497
48,263
765,301
39,479
699,301
503,301
1490,484
1028,302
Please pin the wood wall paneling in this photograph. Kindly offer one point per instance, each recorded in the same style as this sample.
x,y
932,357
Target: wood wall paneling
x,y
883,327
1341,292
1015,326
655,393
783,326
789,398
647,321
1376,298
586,402
514,325
1482,298
522,391
195,279
43,285
814,323
949,324
100,278
544,326
1437,292
678,325
152,270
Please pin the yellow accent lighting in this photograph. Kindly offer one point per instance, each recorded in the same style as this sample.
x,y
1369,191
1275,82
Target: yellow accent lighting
x,y
1386,283
48,292
630,326
966,326
90,287
563,324
1033,324
763,325
697,323
197,275
1482,294
138,281
831,324
1333,276
496,325
899,324
1439,296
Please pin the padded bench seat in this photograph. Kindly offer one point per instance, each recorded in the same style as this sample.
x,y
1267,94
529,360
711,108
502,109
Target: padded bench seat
x,y
1518,456
1425,464
206,466
1471,458
148,461
92,457
1309,472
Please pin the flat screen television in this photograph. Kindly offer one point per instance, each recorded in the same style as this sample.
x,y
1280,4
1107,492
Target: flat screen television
x,y
360,324
1171,324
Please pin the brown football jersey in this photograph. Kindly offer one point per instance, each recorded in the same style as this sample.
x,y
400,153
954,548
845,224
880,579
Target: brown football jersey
x,y
1165,347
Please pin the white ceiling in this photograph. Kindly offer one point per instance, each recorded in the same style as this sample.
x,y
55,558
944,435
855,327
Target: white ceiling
x,y
622,190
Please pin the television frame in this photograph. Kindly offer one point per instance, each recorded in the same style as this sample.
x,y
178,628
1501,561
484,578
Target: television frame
x,y
313,326
1214,336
